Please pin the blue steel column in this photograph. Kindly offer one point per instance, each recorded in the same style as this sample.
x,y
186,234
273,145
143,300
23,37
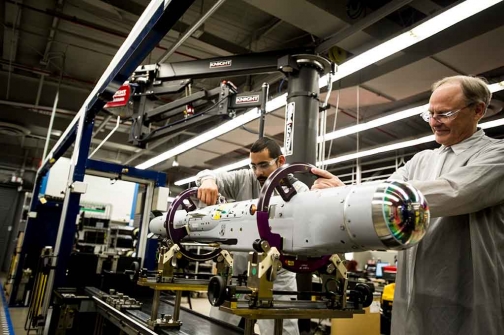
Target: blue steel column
x,y
68,237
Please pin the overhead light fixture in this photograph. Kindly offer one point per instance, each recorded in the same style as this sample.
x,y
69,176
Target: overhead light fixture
x,y
205,137
389,118
407,39
358,128
360,154
419,33
373,124
492,124
276,103
226,168
400,145
496,87
378,150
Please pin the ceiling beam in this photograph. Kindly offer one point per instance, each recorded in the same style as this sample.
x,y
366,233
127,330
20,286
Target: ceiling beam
x,y
2,26
301,14
208,38
88,24
11,39
201,20
362,24
427,7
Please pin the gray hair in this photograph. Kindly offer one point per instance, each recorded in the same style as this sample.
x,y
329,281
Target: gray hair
x,y
475,89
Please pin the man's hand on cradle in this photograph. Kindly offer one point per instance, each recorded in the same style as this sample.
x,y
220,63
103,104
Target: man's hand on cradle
x,y
325,180
208,192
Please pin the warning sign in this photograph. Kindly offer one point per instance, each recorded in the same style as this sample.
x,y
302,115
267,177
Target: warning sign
x,y
120,98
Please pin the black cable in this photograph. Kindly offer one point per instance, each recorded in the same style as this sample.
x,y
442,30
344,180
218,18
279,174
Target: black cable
x,y
249,130
355,8
281,84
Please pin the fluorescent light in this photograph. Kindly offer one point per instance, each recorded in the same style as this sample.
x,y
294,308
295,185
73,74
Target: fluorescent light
x,y
375,151
233,166
450,17
349,157
415,35
205,137
226,168
492,124
361,127
374,55
430,27
496,87
389,118
400,145
238,121
276,103
374,123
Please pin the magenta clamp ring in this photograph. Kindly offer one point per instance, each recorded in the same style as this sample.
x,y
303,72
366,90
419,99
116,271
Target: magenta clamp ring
x,y
176,235
278,180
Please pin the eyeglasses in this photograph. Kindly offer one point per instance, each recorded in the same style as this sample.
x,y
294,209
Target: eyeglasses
x,y
263,165
444,117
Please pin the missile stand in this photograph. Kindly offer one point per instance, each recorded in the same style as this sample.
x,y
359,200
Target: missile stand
x,y
265,262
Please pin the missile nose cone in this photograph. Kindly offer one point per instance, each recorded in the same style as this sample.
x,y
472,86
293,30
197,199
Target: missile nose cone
x,y
400,214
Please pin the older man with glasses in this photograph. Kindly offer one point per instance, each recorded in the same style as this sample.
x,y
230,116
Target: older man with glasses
x,y
265,157
452,282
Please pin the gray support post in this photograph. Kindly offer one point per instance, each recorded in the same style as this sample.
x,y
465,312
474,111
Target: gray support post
x,y
301,134
144,227
278,327
155,306
303,94
249,326
176,305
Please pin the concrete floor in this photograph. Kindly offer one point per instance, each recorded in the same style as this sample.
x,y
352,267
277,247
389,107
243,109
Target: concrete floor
x,y
18,314
200,305
18,317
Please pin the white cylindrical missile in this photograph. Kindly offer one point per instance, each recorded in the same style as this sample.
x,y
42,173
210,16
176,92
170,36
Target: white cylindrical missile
x,y
370,216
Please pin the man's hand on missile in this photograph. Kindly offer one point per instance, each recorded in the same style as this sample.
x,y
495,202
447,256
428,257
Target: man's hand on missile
x,y
325,180
208,192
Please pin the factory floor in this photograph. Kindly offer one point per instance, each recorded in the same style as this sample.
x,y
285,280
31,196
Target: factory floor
x,y
18,315
12,320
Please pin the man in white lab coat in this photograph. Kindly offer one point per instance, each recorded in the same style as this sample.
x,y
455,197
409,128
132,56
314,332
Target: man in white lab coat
x,y
452,282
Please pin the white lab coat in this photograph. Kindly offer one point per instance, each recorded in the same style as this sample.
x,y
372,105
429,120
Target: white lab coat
x,y
242,185
452,282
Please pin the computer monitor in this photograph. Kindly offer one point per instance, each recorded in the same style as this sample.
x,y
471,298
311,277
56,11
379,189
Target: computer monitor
x,y
379,269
